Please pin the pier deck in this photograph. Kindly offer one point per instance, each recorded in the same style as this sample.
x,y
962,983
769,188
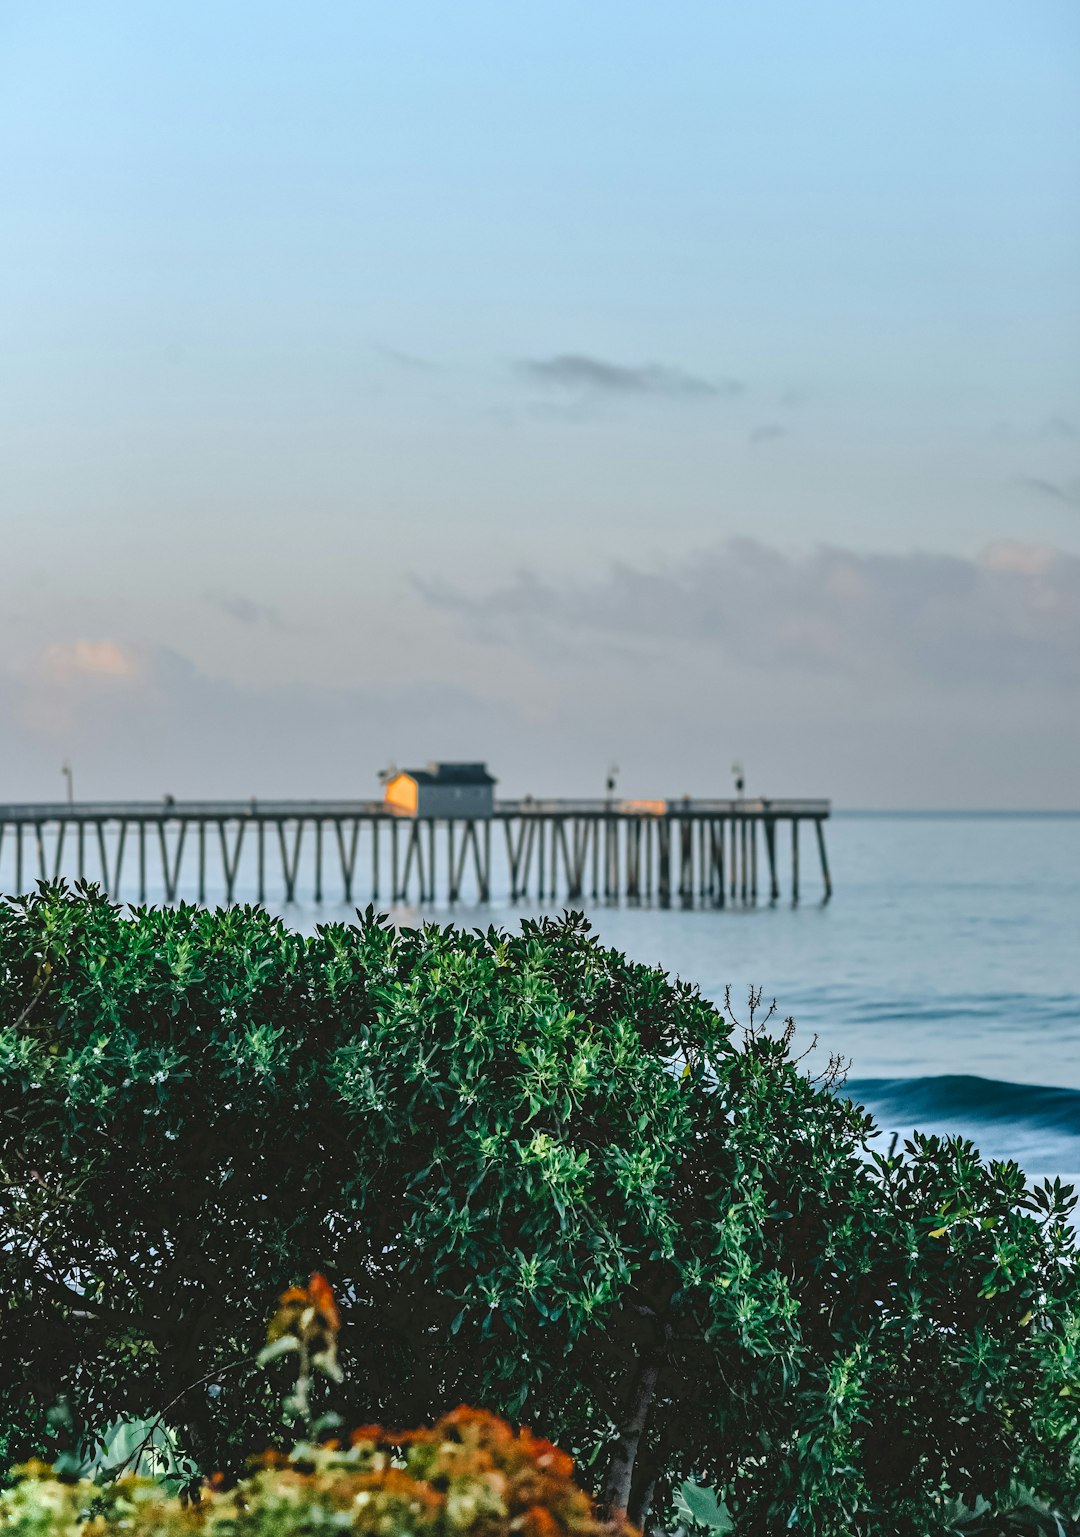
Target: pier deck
x,y
686,852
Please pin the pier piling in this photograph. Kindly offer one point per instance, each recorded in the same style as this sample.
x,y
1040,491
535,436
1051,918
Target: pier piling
x,y
698,853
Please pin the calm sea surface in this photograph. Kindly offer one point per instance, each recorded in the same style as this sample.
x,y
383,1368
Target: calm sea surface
x,y
946,967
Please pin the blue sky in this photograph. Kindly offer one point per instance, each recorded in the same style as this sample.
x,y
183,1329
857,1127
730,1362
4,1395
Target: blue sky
x,y
324,329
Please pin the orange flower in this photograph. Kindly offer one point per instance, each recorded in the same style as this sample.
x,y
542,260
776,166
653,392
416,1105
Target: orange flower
x,y
309,1313
537,1522
547,1456
307,1320
322,1299
472,1450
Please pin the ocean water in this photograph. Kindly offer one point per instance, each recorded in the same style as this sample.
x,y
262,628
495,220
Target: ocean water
x,y
946,969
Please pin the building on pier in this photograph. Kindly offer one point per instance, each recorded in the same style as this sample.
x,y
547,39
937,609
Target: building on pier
x,y
442,790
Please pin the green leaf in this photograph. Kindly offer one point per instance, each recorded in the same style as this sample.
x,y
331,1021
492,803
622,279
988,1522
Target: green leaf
x,y
704,1508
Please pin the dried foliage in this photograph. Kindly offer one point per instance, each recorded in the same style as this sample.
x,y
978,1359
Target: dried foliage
x,y
468,1476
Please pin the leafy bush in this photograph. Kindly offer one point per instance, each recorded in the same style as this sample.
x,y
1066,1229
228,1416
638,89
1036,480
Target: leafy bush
x,y
469,1476
545,1180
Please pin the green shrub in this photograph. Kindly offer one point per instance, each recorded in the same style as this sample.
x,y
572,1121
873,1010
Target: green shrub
x,y
543,1179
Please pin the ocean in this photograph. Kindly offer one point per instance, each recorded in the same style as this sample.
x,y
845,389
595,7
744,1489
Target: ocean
x,y
946,969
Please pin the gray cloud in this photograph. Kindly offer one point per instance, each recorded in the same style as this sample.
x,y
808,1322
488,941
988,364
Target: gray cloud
x,y
171,727
1011,618
1069,493
406,360
246,610
767,432
877,679
584,375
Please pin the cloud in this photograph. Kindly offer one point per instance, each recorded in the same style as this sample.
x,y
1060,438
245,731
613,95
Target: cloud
x,y
580,374
877,679
1028,559
1069,493
767,432
177,729
406,360
83,659
246,610
936,623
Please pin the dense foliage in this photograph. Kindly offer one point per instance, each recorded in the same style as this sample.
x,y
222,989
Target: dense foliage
x,y
469,1476
543,1179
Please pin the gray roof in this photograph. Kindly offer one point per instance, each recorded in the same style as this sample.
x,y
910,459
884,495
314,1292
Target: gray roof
x,y
452,774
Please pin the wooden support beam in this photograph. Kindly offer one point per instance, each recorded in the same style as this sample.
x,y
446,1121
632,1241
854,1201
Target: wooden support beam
x,y
820,830
121,839
170,868
58,854
290,863
103,853
716,862
459,869
347,855
421,861
633,856
770,851
581,850
568,848
412,849
686,861
633,859
230,859
410,845
514,852
526,864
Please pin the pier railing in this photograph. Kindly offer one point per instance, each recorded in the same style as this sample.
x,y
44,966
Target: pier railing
x,y
689,852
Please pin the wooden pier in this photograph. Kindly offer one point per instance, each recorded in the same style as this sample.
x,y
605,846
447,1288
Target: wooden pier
x,y
709,853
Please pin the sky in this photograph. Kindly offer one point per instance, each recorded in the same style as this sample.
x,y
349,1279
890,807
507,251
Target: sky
x,y
564,386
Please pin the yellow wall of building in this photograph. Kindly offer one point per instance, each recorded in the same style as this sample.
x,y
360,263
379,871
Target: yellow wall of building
x,y
401,794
